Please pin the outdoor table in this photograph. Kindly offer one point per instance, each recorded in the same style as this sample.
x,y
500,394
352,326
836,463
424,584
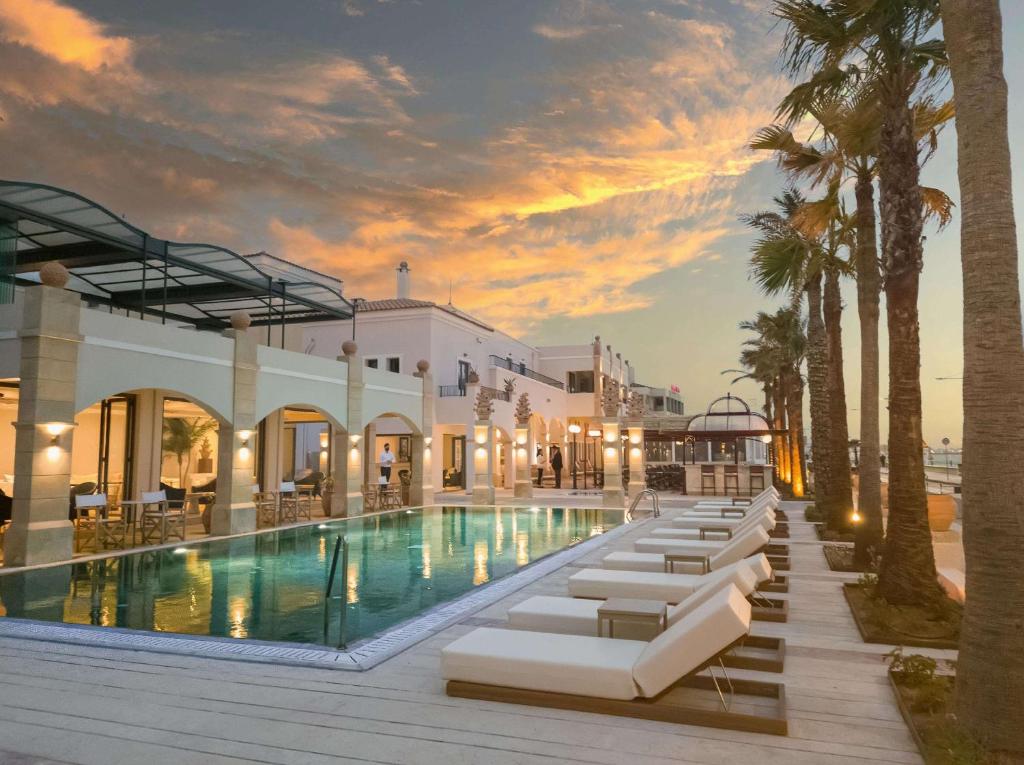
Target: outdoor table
x,y
653,612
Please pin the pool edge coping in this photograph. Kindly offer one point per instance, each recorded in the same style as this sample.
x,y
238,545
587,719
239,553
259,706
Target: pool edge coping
x,y
364,656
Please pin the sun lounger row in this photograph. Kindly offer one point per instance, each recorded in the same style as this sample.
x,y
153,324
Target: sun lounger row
x,y
554,655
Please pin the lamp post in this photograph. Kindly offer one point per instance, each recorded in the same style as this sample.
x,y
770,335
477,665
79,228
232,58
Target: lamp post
x,y
594,433
945,445
574,428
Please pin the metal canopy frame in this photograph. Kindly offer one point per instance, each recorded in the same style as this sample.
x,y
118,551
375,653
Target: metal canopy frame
x,y
114,263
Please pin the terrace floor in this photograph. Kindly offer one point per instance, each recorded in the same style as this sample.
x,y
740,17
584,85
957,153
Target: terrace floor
x,y
73,704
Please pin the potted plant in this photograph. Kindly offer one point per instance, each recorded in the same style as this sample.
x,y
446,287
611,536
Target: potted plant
x,y
327,495
180,436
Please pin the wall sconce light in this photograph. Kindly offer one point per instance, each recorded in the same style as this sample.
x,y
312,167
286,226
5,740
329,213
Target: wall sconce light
x,y
481,438
324,438
56,430
609,452
428,440
354,439
575,429
634,438
244,436
594,433
521,439
610,437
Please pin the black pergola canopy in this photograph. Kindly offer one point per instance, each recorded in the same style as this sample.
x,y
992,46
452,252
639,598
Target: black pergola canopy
x,y
117,264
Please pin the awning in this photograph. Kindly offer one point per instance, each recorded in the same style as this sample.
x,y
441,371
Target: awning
x,y
115,263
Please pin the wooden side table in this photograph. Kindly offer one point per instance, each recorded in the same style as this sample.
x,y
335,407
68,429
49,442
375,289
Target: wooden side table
x,y
672,559
653,612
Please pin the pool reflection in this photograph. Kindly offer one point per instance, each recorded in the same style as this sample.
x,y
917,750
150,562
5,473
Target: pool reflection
x,y
271,586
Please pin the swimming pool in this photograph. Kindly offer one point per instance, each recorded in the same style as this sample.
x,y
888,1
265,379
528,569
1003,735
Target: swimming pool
x,y
271,586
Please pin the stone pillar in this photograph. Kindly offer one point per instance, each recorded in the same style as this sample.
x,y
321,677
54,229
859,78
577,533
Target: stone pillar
x,y
352,485
523,450
483,457
612,446
233,511
273,430
421,490
149,415
637,468
40,531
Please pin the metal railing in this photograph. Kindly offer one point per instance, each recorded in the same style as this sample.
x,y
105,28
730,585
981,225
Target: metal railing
x,y
340,546
525,371
457,391
636,502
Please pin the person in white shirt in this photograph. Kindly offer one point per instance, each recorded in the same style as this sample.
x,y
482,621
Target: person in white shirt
x,y
387,459
541,462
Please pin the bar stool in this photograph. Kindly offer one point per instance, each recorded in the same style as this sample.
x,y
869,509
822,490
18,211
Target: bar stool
x,y
756,480
732,480
707,479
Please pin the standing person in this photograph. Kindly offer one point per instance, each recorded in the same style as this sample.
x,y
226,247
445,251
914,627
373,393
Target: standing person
x,y
556,465
387,459
541,462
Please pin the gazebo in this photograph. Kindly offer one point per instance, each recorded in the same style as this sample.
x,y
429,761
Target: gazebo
x,y
725,450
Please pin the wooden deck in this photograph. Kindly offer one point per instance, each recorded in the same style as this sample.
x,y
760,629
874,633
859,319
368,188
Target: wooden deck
x,y
64,703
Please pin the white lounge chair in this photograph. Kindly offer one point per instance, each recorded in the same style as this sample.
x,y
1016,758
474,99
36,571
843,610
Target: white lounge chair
x,y
709,529
657,680
750,541
580,616
728,522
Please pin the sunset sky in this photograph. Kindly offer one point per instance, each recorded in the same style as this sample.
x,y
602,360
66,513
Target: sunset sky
x,y
571,168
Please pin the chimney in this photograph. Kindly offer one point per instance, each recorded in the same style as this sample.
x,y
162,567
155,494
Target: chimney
x,y
403,280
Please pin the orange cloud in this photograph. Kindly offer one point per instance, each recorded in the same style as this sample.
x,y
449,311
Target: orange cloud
x,y
63,33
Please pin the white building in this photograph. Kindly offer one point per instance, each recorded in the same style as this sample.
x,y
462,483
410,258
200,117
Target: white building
x,y
564,383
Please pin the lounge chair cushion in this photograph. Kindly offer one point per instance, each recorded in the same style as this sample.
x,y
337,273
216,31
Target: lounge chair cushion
x,y
689,522
740,577
749,541
692,641
634,561
673,532
541,661
649,585
546,613
745,546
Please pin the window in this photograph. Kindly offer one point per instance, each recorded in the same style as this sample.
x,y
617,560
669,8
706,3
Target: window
x,y
581,382
659,404
394,364
372,363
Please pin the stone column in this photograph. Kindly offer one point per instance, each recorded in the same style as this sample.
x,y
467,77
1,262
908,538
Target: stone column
x,y
483,458
612,446
233,511
637,468
523,449
40,531
351,487
421,490
273,430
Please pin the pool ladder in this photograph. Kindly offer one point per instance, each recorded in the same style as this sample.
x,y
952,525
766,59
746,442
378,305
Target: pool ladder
x,y
636,502
340,548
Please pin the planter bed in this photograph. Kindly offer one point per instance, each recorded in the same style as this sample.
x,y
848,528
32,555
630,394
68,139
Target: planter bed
x,y
919,631
840,558
936,733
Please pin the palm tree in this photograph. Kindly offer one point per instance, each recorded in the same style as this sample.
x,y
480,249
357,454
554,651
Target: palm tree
x,y
883,46
180,436
846,148
792,257
776,354
990,668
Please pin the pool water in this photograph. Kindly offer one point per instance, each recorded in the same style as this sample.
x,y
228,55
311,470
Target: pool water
x,y
271,586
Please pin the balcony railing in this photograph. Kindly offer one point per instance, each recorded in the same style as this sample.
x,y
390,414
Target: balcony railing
x,y
456,391
525,371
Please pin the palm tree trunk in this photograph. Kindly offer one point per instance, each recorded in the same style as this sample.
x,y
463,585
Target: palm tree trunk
x,y
990,669
817,384
907,573
869,499
795,413
784,468
840,517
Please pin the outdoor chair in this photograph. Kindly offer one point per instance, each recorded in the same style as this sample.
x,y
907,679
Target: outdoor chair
x,y
304,502
659,680
82,488
289,503
370,497
732,480
160,521
266,507
99,522
707,479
